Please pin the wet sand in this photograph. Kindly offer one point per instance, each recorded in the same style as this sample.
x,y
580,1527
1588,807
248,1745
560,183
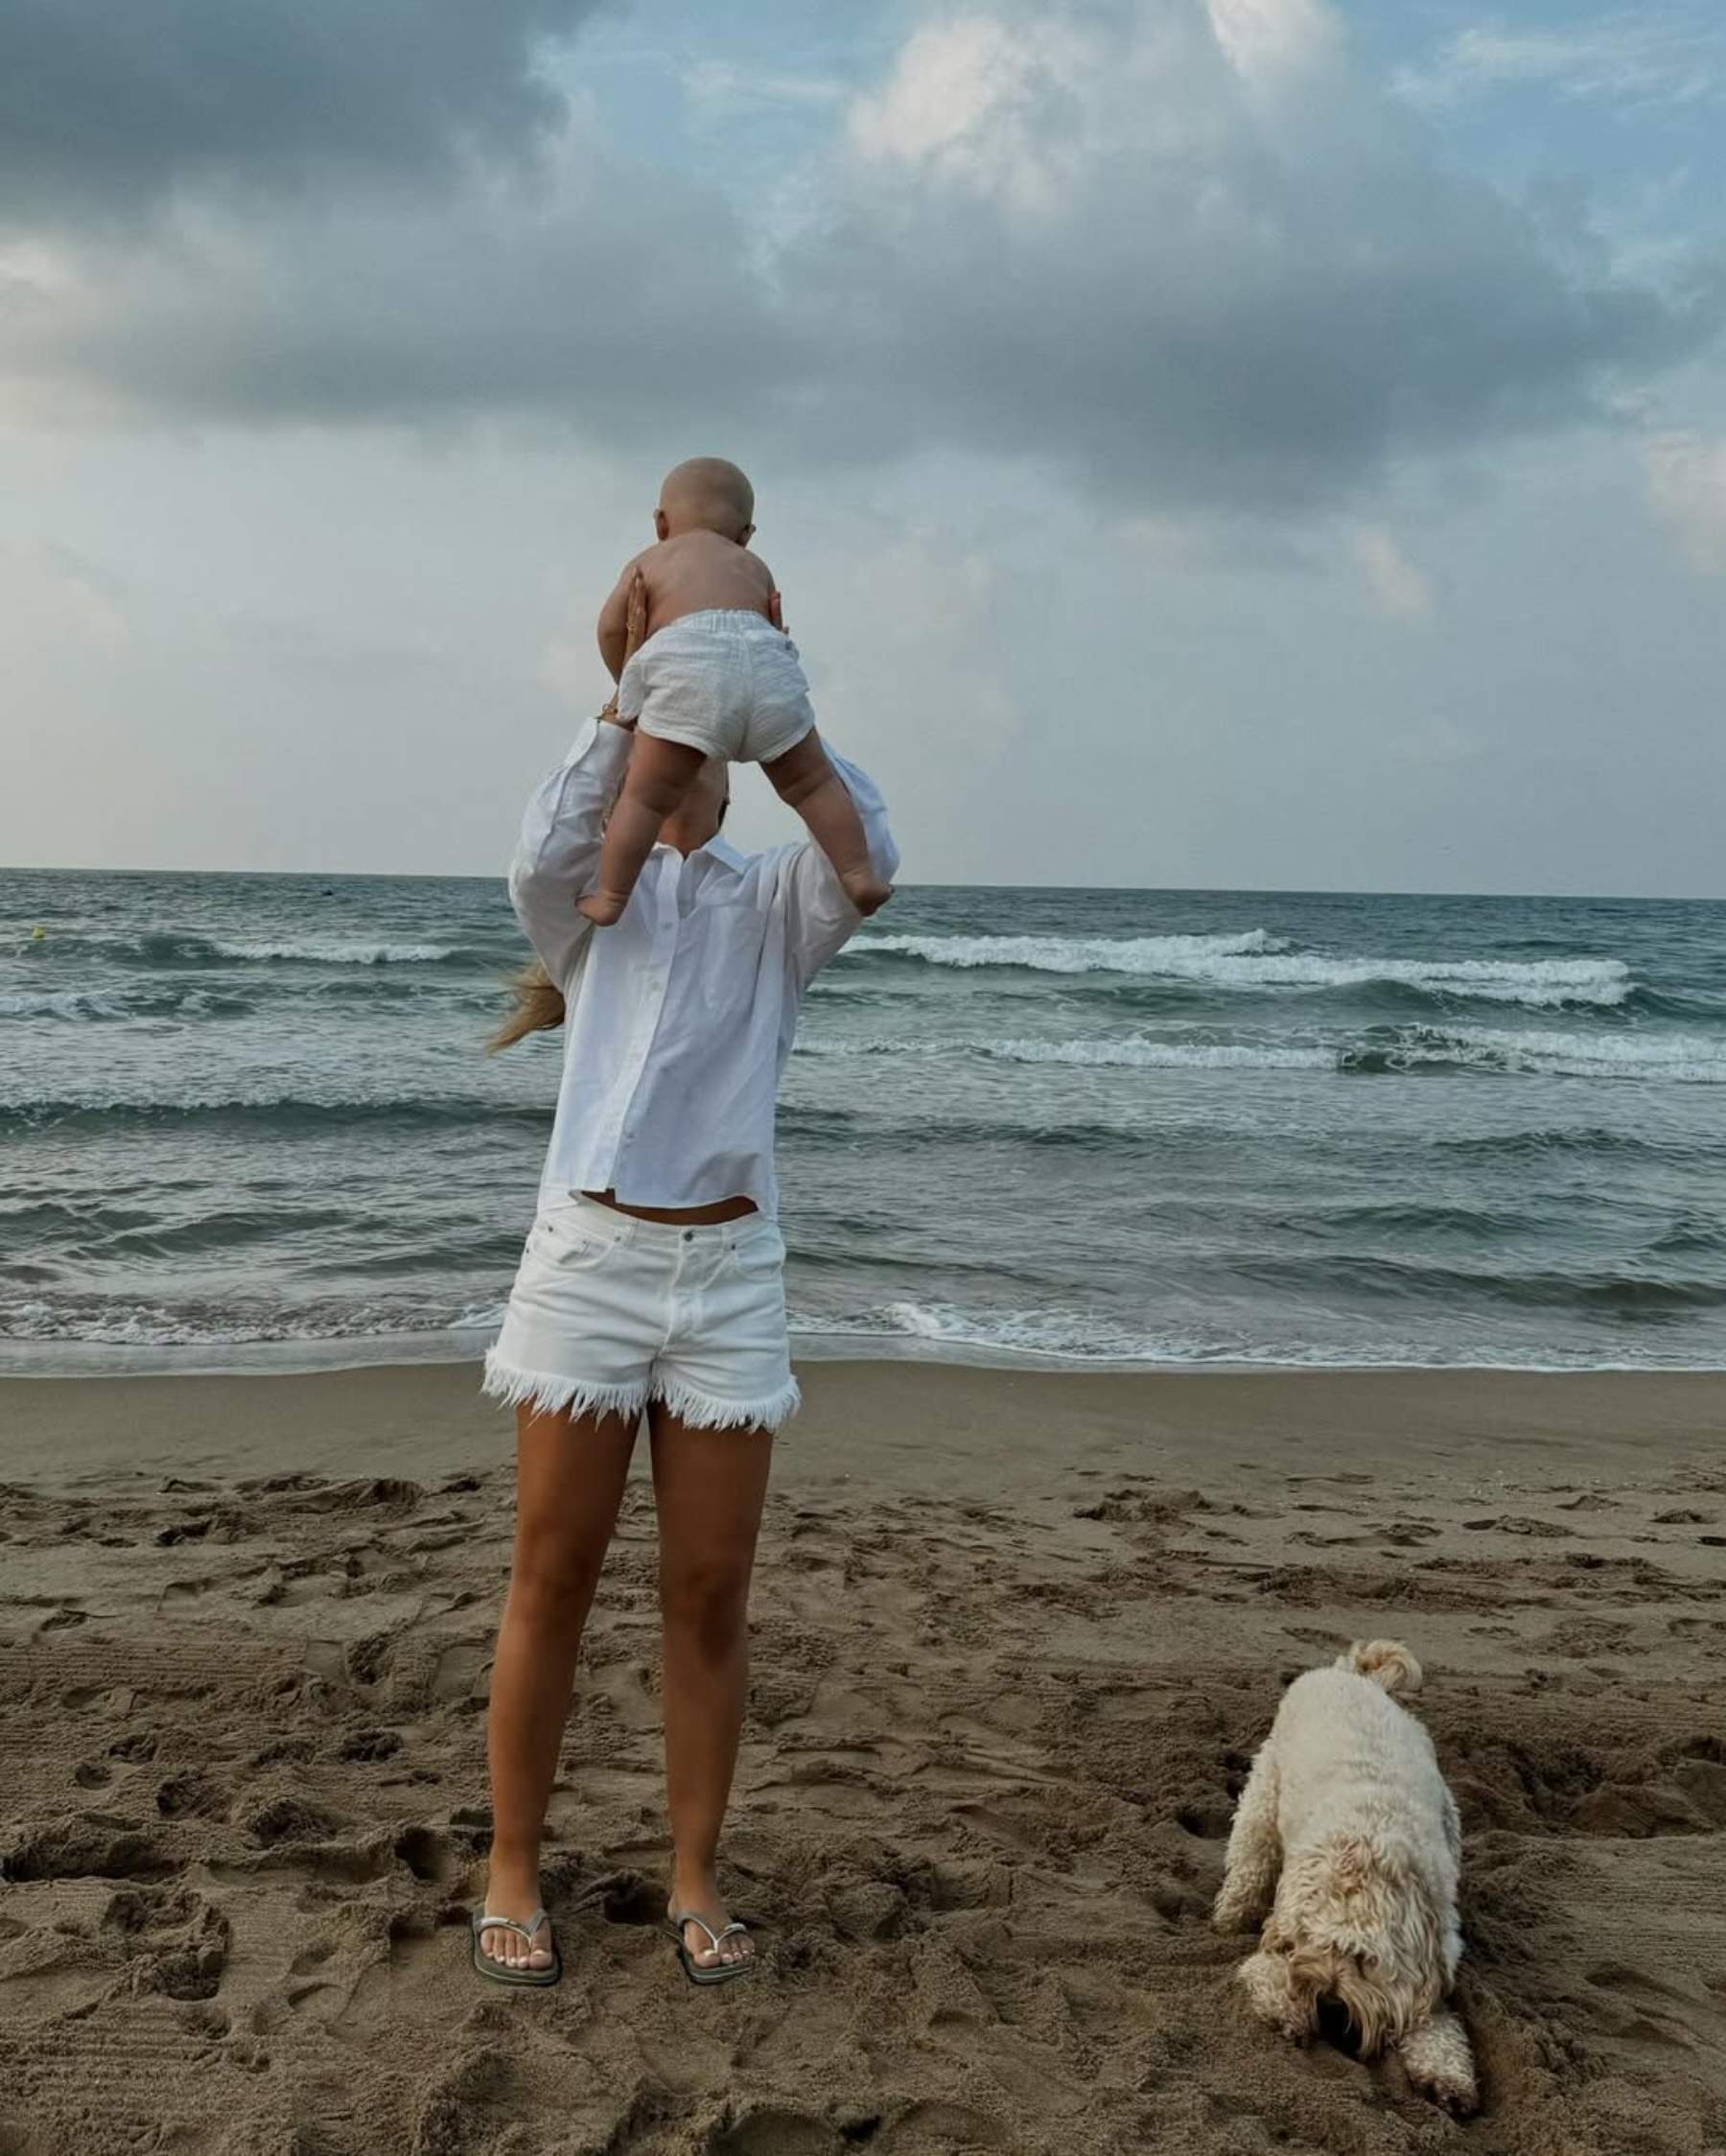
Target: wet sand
x,y
1016,1637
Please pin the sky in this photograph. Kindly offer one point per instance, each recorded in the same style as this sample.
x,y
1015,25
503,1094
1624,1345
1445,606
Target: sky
x,y
1222,443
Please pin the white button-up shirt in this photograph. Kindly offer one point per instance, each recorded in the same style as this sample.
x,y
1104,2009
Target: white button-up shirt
x,y
679,1017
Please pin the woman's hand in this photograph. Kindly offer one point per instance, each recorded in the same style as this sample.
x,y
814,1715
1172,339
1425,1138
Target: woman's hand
x,y
635,627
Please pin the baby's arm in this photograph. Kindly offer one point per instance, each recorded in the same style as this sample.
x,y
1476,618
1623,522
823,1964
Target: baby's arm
x,y
614,618
772,603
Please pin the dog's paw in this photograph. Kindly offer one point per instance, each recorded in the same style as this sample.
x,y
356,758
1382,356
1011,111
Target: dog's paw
x,y
1460,2097
1440,2066
1234,1913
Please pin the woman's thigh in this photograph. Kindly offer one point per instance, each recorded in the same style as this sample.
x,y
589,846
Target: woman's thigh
x,y
571,1473
709,1487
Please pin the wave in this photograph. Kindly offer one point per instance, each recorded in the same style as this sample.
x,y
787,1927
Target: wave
x,y
340,950
186,1002
46,1338
173,948
1132,1053
1256,962
1686,1059
1632,1296
92,1006
1593,1139
1683,1058
817,1127
93,1322
1068,1336
1067,954
1056,1337
275,1114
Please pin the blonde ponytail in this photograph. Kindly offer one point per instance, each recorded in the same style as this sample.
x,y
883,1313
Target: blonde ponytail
x,y
536,1005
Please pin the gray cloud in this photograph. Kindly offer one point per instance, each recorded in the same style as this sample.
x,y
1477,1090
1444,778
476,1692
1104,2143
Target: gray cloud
x,y
614,301
105,108
1181,252
1205,273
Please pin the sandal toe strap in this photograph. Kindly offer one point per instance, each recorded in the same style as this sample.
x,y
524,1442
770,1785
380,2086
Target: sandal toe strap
x,y
733,1930
489,1923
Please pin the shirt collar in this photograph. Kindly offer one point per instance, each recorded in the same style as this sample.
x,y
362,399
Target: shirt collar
x,y
718,847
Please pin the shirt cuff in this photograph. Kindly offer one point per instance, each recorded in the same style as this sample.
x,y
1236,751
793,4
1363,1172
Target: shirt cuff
x,y
600,737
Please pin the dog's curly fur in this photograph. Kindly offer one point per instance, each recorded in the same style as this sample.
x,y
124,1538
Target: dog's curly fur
x,y
1346,1846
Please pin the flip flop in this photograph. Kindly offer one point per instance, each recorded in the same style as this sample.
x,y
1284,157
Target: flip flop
x,y
499,1972
717,1972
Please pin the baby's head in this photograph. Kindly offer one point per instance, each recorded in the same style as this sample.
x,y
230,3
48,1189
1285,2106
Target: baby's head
x,y
706,494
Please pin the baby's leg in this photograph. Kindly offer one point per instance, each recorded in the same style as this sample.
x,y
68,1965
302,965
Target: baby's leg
x,y
659,774
807,782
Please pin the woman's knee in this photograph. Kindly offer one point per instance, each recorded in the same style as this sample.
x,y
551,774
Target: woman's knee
x,y
706,1601
553,1578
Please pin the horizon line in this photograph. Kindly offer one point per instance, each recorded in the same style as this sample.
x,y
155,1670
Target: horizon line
x,y
1181,890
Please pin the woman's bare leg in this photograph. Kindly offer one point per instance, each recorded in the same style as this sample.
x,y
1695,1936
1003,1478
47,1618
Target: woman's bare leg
x,y
569,1476
659,774
710,1486
805,780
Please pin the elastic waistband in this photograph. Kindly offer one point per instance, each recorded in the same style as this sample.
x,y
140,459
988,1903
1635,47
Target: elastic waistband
x,y
724,620
661,1234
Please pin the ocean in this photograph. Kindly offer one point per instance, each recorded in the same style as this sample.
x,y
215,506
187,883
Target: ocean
x,y
247,1122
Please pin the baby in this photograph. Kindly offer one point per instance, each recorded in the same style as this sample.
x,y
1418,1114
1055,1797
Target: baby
x,y
717,677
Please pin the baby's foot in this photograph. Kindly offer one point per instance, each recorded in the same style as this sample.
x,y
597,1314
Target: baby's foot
x,y
865,891
602,908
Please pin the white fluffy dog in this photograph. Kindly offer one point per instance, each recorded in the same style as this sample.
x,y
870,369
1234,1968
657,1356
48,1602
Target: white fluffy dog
x,y
1346,1846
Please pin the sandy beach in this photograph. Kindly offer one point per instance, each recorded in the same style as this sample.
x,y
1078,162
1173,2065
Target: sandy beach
x,y
1017,1638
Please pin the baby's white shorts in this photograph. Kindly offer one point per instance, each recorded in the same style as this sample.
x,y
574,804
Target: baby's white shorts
x,y
724,681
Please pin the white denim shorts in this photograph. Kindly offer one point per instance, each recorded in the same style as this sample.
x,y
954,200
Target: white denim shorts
x,y
609,1312
724,681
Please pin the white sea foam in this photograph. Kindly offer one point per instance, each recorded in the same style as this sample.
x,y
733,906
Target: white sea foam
x,y
337,950
93,1004
149,1342
1058,1339
1258,962
1073,954
151,1326
1689,1058
1054,1335
1132,1053
66,1004
1540,983
1686,1058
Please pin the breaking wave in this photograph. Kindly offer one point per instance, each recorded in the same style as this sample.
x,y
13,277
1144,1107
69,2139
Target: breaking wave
x,y
1256,962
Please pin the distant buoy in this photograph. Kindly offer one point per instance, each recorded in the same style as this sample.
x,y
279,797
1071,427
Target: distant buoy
x,y
37,935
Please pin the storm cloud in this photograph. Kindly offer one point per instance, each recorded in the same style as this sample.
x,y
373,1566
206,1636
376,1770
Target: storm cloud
x,y
104,109
1178,251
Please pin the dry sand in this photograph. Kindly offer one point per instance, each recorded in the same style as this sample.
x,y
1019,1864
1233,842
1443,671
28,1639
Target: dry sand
x,y
1016,1639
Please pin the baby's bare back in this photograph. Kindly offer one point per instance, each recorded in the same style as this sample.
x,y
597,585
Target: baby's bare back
x,y
698,572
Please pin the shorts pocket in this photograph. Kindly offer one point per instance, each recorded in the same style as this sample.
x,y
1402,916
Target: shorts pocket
x,y
758,1256
567,1240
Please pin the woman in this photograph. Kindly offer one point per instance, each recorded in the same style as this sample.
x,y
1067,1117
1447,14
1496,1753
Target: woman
x,y
652,1281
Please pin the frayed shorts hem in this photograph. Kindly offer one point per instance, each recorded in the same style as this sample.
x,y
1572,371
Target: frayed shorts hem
x,y
548,1394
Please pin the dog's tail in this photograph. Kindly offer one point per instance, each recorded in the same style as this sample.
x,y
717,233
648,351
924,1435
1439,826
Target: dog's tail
x,y
1386,1662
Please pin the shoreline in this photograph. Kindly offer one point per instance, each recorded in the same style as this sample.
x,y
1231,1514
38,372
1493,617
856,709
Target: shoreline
x,y
416,1418
66,1361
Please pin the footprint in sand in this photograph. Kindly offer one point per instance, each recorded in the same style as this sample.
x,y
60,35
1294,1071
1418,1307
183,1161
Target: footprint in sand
x,y
1545,1530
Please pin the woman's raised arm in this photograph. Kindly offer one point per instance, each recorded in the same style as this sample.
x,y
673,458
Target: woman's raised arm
x,y
559,848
